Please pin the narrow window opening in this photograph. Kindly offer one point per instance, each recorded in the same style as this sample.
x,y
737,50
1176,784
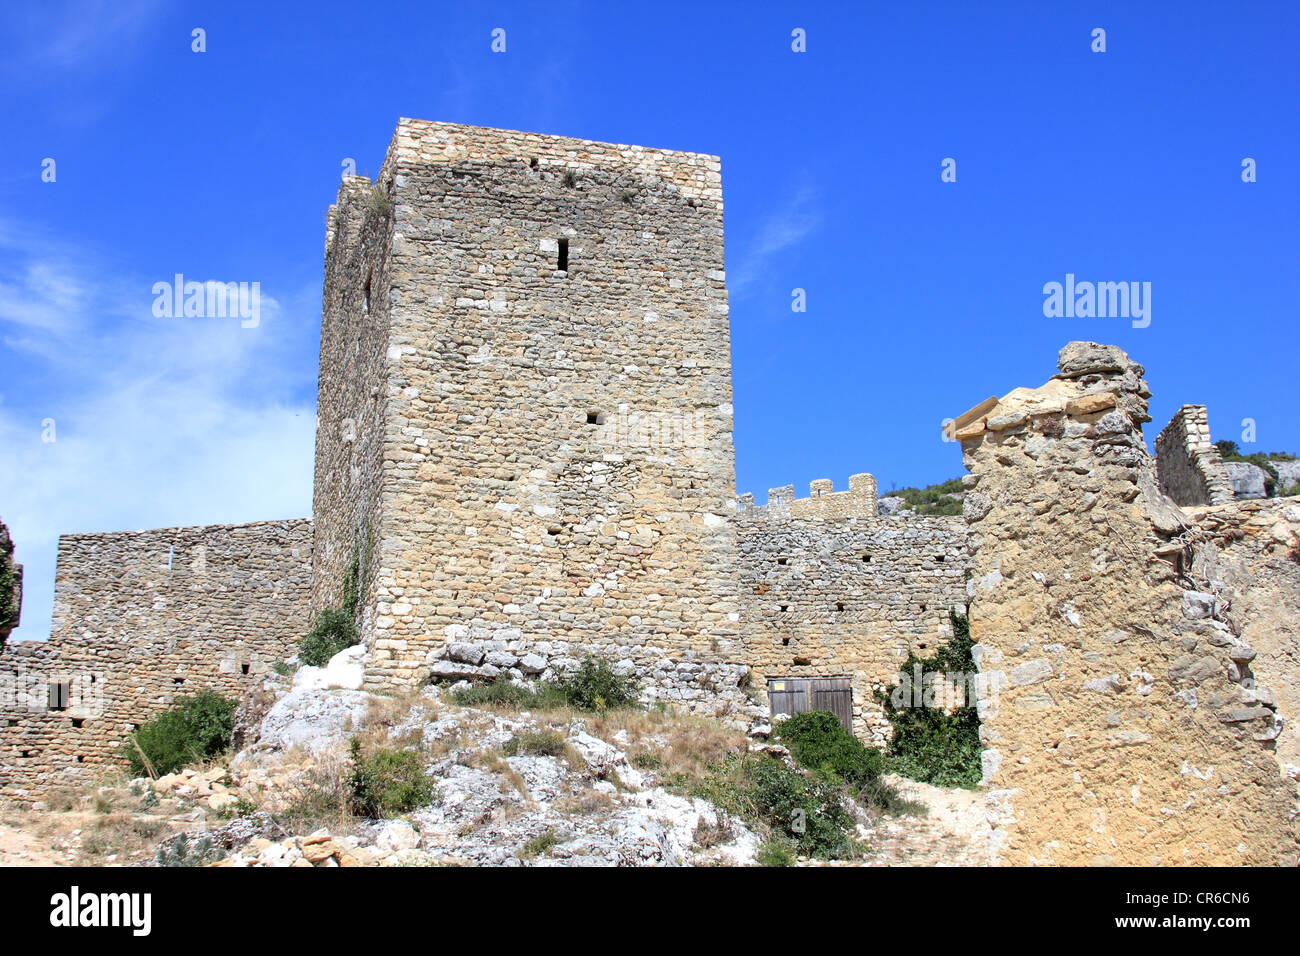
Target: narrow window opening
x,y
243,669
12,723
532,163
80,759
866,559
78,722
365,306
839,605
595,418
785,642
29,753
60,691
939,558
782,560
784,608
562,259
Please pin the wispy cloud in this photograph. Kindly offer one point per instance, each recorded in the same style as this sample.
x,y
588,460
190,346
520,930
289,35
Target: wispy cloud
x,y
792,222
157,422
70,35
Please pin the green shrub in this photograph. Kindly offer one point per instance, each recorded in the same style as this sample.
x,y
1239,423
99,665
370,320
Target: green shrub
x,y
386,782
808,811
191,730
539,844
335,628
929,743
543,743
818,741
775,852
502,692
594,686
333,631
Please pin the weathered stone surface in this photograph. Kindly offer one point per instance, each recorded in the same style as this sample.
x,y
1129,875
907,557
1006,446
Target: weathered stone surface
x,y
1247,480
1086,598
142,618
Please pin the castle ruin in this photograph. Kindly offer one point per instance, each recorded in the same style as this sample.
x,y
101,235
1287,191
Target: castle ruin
x,y
524,456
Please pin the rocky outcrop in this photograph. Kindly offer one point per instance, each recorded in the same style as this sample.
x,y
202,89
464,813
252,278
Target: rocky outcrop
x,y
1248,481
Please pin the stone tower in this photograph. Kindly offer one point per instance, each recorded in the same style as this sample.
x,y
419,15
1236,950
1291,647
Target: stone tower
x,y
524,436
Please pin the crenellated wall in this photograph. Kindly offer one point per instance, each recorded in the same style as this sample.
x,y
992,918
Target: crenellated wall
x,y
830,588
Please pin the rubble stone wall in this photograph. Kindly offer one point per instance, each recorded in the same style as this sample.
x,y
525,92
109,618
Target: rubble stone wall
x,y
1189,468
141,618
829,588
557,467
1120,720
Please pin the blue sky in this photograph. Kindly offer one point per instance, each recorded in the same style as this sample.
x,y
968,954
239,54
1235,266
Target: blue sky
x,y
923,297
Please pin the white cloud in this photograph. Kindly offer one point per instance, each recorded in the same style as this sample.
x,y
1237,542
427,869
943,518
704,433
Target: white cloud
x,y
785,227
158,422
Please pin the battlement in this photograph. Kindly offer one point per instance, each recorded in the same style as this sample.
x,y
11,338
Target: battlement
x,y
822,501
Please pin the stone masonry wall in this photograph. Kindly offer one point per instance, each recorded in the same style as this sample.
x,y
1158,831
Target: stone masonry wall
x,y
1250,552
140,618
829,588
1188,465
557,459
352,394
1118,721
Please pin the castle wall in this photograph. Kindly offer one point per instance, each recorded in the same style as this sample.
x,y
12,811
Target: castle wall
x,y
829,588
1188,465
558,465
352,395
141,618
1119,723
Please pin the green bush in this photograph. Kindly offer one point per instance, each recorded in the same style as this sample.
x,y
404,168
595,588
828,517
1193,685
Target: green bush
x,y
543,743
386,782
191,730
818,741
808,811
333,631
594,686
775,852
929,743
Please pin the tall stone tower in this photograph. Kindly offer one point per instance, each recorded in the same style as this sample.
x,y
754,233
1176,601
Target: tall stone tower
x,y
524,437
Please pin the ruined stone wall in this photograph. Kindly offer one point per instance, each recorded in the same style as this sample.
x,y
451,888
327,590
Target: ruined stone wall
x,y
1250,552
558,466
1118,722
140,618
1189,467
829,588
